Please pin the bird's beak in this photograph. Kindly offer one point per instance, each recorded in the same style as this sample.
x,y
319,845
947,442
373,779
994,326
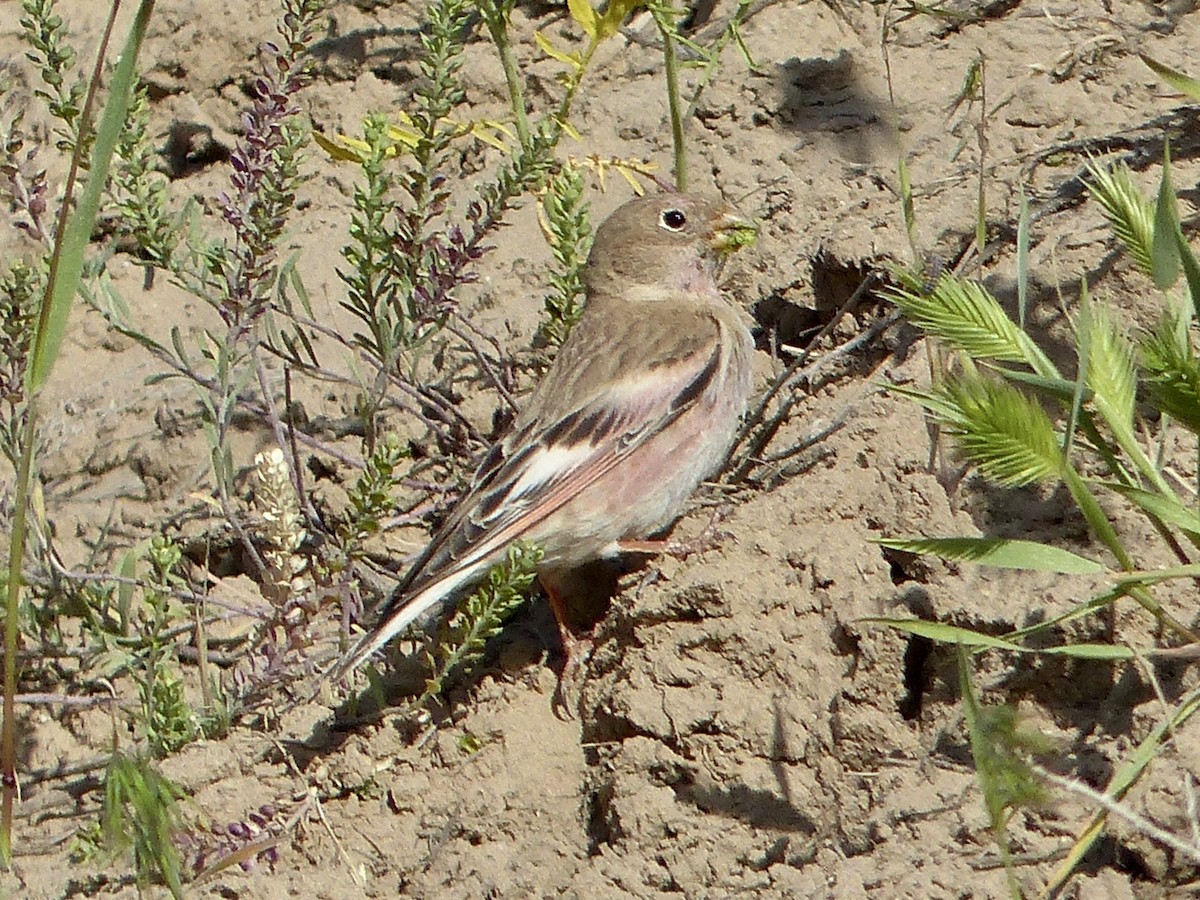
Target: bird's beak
x,y
731,232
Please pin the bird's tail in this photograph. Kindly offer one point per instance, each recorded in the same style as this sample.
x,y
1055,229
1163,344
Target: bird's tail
x,y
398,614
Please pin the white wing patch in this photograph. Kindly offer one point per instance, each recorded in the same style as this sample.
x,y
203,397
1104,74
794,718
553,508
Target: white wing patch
x,y
547,465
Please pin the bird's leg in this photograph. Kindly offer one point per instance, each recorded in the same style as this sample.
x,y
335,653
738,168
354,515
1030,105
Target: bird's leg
x,y
576,651
559,608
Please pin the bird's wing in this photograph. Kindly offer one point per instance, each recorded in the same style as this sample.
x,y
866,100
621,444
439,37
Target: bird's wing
x,y
546,462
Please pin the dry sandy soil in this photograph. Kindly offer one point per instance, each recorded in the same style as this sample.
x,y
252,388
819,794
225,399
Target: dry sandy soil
x,y
742,731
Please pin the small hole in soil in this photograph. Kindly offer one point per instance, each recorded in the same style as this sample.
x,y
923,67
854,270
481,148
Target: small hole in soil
x,y
191,147
785,322
916,679
600,830
905,567
1132,863
835,280
845,642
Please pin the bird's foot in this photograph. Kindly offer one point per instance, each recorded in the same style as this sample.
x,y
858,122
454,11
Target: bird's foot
x,y
576,652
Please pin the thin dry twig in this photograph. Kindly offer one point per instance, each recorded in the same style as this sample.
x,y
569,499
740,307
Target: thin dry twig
x,y
1114,807
790,378
447,412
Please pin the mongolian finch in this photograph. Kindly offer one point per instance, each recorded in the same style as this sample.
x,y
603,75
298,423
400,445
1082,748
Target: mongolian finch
x,y
641,404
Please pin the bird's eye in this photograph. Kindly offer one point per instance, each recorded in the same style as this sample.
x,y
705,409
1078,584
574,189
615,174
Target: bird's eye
x,y
673,219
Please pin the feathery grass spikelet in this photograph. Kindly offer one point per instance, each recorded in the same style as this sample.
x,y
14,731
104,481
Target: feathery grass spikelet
x,y
282,527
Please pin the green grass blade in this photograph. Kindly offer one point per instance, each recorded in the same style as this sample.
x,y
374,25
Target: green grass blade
x,y
1000,552
1168,510
1095,516
1023,262
1164,252
1083,351
1191,271
970,703
74,229
1183,83
976,641
128,571
64,277
1153,576
1112,652
665,16
1059,388
946,634
1099,522
906,204
1089,607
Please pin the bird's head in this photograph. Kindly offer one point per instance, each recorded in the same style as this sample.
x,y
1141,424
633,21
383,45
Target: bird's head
x,y
664,241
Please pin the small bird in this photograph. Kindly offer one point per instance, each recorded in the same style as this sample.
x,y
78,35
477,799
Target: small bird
x,y
641,404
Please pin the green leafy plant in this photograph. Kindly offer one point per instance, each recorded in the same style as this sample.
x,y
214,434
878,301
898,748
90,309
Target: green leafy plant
x,y
1002,751
141,817
480,617
1018,420
20,292
140,203
47,36
373,293
167,719
74,228
370,497
569,232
